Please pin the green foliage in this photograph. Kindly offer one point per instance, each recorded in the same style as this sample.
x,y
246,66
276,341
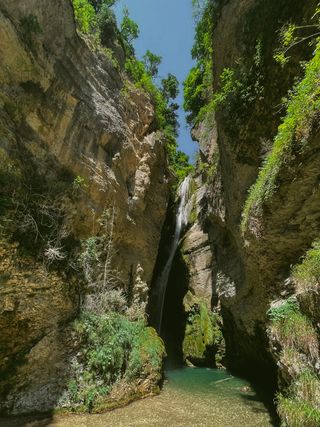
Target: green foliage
x,y
111,57
129,31
300,404
193,90
96,17
142,79
293,329
229,84
151,62
281,58
107,24
292,35
308,272
179,162
98,4
301,110
282,311
203,331
113,350
237,87
165,112
147,350
85,15
198,84
30,27
79,183
295,413
208,170
287,39
170,87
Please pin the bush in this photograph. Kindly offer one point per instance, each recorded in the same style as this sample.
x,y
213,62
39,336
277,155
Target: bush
x,y
129,31
97,4
203,336
294,330
151,62
229,85
193,91
299,404
113,349
85,15
107,25
284,310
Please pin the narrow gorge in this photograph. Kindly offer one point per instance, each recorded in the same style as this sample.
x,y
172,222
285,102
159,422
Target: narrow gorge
x,y
137,288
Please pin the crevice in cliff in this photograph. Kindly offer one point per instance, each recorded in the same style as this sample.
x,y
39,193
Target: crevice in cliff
x,y
174,317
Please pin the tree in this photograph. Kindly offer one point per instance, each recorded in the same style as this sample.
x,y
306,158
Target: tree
x,y
170,87
171,117
107,25
97,4
85,15
193,93
152,62
129,32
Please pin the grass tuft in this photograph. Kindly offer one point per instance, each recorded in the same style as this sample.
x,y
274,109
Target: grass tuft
x,y
308,272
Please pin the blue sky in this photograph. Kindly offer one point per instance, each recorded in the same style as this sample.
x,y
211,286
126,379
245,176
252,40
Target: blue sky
x,y
167,29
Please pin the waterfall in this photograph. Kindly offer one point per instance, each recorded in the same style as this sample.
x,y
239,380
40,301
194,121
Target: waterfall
x,y
181,221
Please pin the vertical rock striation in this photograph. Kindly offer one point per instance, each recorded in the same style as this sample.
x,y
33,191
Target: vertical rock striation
x,y
251,265
77,137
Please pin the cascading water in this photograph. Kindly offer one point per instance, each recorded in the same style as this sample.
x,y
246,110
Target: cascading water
x,y
181,221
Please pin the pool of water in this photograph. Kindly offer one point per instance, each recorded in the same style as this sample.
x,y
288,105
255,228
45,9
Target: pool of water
x,y
190,397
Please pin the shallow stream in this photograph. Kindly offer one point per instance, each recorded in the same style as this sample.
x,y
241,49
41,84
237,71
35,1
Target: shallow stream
x,y
190,397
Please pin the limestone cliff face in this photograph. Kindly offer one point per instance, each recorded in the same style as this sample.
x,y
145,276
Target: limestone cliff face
x,y
75,140
250,269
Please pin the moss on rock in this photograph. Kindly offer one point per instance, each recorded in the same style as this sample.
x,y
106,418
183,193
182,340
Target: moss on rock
x,y
203,341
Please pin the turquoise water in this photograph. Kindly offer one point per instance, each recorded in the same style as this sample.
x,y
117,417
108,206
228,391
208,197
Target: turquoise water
x,y
190,397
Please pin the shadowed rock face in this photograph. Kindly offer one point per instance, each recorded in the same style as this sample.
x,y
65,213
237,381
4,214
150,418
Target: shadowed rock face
x,y
249,271
67,112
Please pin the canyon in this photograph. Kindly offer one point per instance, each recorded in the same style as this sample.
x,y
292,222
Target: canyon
x,y
223,263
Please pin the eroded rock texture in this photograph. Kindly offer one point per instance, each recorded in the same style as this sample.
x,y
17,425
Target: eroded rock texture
x,y
75,140
250,269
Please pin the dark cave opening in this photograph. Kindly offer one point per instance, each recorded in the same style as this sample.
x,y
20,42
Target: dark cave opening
x,y
240,361
174,316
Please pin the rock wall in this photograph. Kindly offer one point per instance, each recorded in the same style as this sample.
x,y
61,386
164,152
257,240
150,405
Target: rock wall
x,y
250,269
75,140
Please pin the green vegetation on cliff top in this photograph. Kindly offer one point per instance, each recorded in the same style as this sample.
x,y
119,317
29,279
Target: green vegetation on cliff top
x,y
96,18
200,97
198,84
